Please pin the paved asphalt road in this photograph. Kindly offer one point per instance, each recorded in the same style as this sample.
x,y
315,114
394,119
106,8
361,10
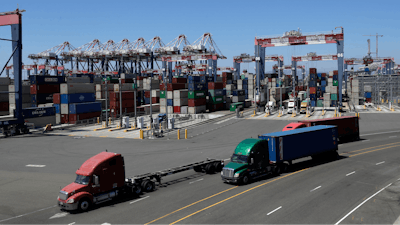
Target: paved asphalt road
x,y
310,193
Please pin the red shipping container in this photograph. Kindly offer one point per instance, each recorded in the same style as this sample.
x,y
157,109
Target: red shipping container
x,y
114,96
368,100
126,81
224,79
72,118
162,87
313,90
177,109
56,98
323,74
155,99
313,70
125,103
64,118
215,85
171,87
224,85
4,106
197,102
139,78
179,80
269,79
335,72
44,89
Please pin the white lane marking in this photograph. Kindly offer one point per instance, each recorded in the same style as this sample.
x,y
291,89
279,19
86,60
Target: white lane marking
x,y
380,163
27,213
274,210
315,188
71,223
224,120
381,133
365,140
58,215
138,200
392,136
196,181
361,204
106,224
350,173
31,165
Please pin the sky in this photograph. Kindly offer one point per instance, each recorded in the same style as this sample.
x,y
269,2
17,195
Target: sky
x,y
233,24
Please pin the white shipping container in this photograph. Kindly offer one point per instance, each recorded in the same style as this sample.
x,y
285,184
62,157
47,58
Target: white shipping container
x,y
124,87
163,109
71,80
355,89
42,121
26,89
184,109
180,93
230,87
127,76
367,88
238,99
155,93
170,109
180,102
355,83
98,95
76,88
197,109
58,118
240,87
163,102
330,73
170,95
64,109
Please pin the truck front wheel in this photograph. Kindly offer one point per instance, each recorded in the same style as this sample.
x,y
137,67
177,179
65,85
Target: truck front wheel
x,y
245,179
137,190
84,205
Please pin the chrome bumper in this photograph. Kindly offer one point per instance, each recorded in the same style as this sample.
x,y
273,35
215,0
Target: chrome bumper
x,y
66,206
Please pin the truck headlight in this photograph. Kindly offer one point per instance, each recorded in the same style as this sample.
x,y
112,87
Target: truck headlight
x,y
236,175
70,201
222,173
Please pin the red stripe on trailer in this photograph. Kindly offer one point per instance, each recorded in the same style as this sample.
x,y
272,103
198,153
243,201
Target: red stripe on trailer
x,y
9,20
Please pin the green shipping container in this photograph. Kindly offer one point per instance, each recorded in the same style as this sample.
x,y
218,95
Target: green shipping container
x,y
236,105
243,77
217,99
334,97
335,83
320,103
197,94
163,94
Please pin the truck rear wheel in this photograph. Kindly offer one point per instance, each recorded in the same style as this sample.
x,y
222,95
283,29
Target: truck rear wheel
x,y
218,166
137,190
148,185
210,168
84,205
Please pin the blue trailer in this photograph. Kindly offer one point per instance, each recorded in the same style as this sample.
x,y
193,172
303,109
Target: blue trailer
x,y
272,153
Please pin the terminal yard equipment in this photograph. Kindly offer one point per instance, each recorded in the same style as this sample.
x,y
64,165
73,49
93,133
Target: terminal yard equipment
x,y
16,124
348,126
272,153
102,178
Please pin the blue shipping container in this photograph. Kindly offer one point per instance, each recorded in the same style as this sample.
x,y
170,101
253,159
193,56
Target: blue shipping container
x,y
87,107
77,98
313,103
193,79
323,78
238,93
42,98
367,94
323,88
284,145
312,83
146,101
170,102
38,112
319,75
229,82
39,79
244,82
323,82
197,87
57,106
335,77
333,103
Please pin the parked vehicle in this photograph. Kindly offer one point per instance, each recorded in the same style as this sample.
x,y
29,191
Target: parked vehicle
x,y
102,178
272,153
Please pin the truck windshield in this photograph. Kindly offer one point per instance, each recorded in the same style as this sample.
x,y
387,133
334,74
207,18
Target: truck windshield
x,y
80,179
239,158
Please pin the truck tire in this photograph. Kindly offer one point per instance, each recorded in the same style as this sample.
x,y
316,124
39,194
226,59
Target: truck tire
x,y
277,170
137,190
198,169
218,166
210,168
84,205
284,168
148,185
245,179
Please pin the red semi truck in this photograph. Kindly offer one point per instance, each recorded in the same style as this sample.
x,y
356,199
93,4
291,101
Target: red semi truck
x,y
102,178
348,126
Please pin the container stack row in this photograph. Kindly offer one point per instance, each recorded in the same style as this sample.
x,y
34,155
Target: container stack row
x,y
368,93
26,97
4,98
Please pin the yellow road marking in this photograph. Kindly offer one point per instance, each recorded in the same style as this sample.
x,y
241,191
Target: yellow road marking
x,y
379,149
120,137
102,136
191,204
370,148
237,195
71,135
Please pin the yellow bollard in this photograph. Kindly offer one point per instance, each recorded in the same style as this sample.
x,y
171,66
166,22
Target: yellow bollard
x,y
387,100
179,134
383,101
186,134
398,101
254,114
98,120
109,121
266,114
141,134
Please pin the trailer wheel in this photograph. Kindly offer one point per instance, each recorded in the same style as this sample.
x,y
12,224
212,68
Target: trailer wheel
x,y
197,169
218,166
148,186
84,205
210,168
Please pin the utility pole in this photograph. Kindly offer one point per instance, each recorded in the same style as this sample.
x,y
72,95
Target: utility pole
x,y
376,42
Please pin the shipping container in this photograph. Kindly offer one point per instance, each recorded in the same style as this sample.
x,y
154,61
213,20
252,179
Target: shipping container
x,y
215,85
284,145
177,109
196,87
114,96
41,121
72,118
78,108
77,88
162,94
42,98
196,94
44,89
176,80
172,87
180,102
40,79
170,102
71,80
238,93
77,98
38,112
213,93
180,94
197,109
197,102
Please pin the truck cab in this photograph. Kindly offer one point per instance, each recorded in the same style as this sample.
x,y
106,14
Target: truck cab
x,y
99,179
303,106
291,105
249,160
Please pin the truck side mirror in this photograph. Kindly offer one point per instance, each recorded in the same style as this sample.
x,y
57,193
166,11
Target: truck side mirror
x,y
251,161
95,180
